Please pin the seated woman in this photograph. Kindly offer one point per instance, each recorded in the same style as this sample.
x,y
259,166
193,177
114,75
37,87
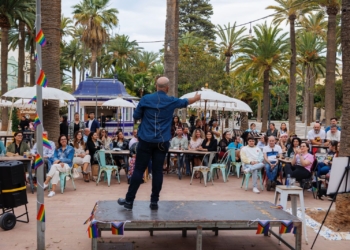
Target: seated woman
x,y
283,130
283,142
81,155
195,143
122,144
105,140
209,144
262,142
295,145
301,164
93,145
61,161
324,167
175,125
18,146
272,131
224,142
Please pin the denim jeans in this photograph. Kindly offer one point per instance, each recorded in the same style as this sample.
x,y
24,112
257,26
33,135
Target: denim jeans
x,y
322,169
271,174
145,151
188,159
254,170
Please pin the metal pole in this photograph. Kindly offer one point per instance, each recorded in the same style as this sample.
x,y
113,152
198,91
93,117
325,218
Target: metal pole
x,y
96,84
39,139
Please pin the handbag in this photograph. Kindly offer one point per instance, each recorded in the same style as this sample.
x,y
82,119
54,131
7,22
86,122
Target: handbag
x,y
75,173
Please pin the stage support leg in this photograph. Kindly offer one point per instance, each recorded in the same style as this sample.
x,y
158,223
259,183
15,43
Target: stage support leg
x,y
184,232
216,230
298,236
199,238
151,232
94,244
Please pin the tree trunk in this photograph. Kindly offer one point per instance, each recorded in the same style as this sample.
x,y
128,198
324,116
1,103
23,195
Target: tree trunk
x,y
244,121
228,60
258,115
331,64
266,100
32,66
51,21
171,41
307,95
343,200
93,62
4,58
73,77
292,80
311,97
21,57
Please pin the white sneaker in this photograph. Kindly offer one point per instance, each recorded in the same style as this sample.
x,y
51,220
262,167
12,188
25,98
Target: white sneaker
x,y
246,170
45,186
52,193
255,190
150,176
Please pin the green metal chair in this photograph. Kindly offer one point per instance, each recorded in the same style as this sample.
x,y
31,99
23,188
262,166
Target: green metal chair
x,y
246,177
221,165
234,163
203,170
103,167
63,177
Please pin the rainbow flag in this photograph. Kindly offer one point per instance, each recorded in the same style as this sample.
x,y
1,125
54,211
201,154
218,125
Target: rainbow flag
x,y
38,161
42,80
41,213
36,121
33,100
286,226
35,57
117,228
46,142
93,230
40,38
263,227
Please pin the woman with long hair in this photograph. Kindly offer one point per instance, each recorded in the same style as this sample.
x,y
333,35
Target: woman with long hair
x,y
122,144
262,142
295,145
175,125
62,161
195,143
324,167
18,146
81,154
283,129
64,125
93,145
105,139
272,131
209,144
224,142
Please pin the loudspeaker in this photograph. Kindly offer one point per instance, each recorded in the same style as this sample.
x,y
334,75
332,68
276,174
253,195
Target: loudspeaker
x,y
12,179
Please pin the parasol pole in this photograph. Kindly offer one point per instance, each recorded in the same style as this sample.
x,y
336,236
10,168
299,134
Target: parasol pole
x,y
222,122
205,116
8,127
39,133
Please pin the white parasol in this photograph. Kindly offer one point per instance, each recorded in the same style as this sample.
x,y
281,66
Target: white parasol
x,y
4,103
48,93
237,105
24,104
119,102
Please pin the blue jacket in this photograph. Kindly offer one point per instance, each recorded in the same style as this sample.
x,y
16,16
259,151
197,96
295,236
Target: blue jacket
x,y
156,111
65,156
94,126
2,148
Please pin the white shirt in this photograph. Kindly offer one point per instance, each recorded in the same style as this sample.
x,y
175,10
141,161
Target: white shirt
x,y
90,123
271,153
311,135
333,137
47,152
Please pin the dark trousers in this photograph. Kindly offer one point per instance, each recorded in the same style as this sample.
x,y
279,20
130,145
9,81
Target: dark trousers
x,y
145,151
297,172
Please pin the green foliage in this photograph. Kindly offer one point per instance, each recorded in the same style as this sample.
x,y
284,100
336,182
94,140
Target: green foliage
x,y
15,120
320,92
194,16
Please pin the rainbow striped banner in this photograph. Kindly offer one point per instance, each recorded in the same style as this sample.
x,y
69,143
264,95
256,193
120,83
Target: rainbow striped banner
x,y
38,161
37,121
33,100
286,226
41,213
40,38
46,142
93,230
117,228
42,80
263,227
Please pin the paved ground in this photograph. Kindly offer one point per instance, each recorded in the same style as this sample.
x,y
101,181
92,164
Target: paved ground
x,y
65,214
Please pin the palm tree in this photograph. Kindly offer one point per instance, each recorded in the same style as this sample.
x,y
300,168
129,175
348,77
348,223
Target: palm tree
x,y
143,61
71,53
310,48
10,11
315,23
332,9
230,41
343,201
67,28
51,53
264,55
96,18
289,11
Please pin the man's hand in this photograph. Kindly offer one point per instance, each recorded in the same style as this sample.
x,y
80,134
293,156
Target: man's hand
x,y
196,97
62,164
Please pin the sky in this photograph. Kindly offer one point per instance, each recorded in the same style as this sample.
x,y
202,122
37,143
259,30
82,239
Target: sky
x,y
144,20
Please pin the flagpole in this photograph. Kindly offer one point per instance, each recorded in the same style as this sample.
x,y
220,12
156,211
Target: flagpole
x,y
39,132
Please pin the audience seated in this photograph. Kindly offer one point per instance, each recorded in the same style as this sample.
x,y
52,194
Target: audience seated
x,y
324,167
283,142
195,142
134,138
209,144
106,141
48,153
121,143
18,146
334,121
224,142
272,131
283,130
271,151
316,135
295,145
179,142
333,134
262,142
81,154
93,145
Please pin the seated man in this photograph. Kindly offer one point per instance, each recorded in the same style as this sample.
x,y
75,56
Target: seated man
x,y
86,134
334,121
316,136
252,159
271,162
134,138
333,134
179,142
48,153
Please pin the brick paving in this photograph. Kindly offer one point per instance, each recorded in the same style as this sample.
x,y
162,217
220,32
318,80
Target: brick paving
x,y
65,214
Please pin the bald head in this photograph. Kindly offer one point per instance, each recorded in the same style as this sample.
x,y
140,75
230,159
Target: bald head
x,y
162,83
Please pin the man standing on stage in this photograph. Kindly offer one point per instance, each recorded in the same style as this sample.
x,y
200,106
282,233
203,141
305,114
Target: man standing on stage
x,y
156,111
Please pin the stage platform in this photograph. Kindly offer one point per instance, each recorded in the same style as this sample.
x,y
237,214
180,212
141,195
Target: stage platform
x,y
195,215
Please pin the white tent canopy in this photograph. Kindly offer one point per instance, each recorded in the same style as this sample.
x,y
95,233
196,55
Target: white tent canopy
x,y
23,104
236,105
48,93
118,102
